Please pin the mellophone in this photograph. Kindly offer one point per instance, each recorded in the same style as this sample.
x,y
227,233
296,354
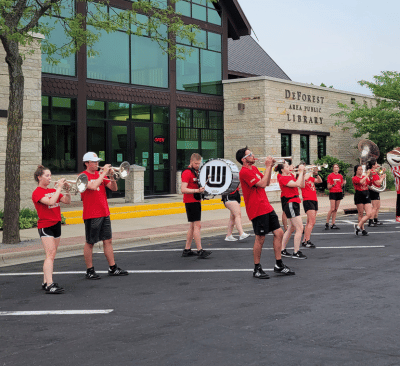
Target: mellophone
x,y
80,184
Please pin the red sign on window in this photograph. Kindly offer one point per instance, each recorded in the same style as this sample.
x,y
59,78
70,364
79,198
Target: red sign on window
x,y
159,140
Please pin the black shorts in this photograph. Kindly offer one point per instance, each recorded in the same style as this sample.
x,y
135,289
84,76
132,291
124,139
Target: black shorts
x,y
336,196
374,196
51,231
310,205
231,197
264,224
292,209
193,211
283,203
361,197
98,229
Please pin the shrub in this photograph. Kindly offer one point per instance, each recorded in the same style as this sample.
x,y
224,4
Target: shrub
x,y
27,218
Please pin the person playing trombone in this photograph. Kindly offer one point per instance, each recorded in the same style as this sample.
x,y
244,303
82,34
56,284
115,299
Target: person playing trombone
x,y
47,203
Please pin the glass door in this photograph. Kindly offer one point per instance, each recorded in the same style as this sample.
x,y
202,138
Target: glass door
x,y
144,153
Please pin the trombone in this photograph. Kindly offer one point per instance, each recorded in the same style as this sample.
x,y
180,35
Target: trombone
x,y
75,186
121,172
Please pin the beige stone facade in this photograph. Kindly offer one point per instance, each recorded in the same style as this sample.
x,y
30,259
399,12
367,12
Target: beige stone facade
x,y
272,106
31,149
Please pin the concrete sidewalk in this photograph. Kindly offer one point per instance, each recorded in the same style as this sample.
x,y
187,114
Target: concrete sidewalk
x,y
147,230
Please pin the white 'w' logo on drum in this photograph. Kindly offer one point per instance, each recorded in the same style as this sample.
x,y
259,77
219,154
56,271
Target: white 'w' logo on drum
x,y
218,176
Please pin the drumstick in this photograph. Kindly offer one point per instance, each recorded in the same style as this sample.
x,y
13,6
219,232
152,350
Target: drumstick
x,y
208,178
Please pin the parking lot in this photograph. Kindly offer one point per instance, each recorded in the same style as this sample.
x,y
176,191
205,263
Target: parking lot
x,y
341,307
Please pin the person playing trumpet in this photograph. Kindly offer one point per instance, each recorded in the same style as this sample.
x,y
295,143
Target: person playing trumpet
x,y
47,203
310,204
376,180
96,215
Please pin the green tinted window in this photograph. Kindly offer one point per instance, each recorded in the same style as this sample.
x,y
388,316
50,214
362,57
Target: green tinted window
x,y
141,112
140,24
199,12
95,109
112,63
211,72
45,108
188,72
183,7
214,17
63,109
160,114
118,111
201,39
216,120
183,117
149,65
214,41
96,137
66,66
199,119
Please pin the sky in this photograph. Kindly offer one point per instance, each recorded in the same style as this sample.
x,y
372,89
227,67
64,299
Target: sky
x,y
334,42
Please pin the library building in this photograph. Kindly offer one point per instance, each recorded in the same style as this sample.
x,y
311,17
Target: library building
x,y
133,103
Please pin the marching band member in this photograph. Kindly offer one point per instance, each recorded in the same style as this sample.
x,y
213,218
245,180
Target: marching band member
x,y
47,203
192,199
96,215
232,203
335,185
393,159
260,211
376,181
284,218
310,205
289,186
361,199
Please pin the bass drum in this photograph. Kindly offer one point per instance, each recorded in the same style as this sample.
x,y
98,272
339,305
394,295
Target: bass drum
x,y
219,176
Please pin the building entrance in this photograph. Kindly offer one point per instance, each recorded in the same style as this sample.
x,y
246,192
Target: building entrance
x,y
140,143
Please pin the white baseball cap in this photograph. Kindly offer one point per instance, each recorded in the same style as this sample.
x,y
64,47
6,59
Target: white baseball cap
x,y
91,156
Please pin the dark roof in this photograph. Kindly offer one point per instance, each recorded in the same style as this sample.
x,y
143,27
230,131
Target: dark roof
x,y
247,58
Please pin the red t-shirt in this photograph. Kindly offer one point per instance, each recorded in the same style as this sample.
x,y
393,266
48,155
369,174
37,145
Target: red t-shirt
x,y
359,186
48,215
375,177
95,201
338,186
255,198
309,192
191,179
288,191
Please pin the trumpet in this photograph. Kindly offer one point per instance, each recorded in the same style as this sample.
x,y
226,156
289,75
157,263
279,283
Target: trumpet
x,y
75,186
278,159
121,172
310,168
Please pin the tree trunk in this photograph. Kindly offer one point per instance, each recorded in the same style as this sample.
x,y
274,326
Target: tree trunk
x,y
13,152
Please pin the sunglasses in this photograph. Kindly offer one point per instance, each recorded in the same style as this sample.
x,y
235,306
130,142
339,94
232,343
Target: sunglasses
x,y
251,154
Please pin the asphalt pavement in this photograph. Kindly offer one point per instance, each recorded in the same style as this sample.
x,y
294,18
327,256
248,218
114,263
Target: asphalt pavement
x,y
340,308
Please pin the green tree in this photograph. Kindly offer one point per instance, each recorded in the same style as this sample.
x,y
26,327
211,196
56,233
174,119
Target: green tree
x,y
20,18
379,122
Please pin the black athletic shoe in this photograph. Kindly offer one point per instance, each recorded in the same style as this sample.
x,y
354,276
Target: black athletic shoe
x,y
377,222
188,253
334,227
203,253
53,288
371,223
308,244
117,272
326,226
364,233
259,273
356,229
298,255
285,253
285,270
92,275
44,286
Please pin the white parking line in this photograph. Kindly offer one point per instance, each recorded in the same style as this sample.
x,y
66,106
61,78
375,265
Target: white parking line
x,y
239,249
56,312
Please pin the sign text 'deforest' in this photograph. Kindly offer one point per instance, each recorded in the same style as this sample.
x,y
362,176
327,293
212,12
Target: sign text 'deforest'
x,y
305,98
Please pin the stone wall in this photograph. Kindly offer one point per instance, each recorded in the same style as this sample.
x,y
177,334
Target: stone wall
x,y
272,104
31,149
